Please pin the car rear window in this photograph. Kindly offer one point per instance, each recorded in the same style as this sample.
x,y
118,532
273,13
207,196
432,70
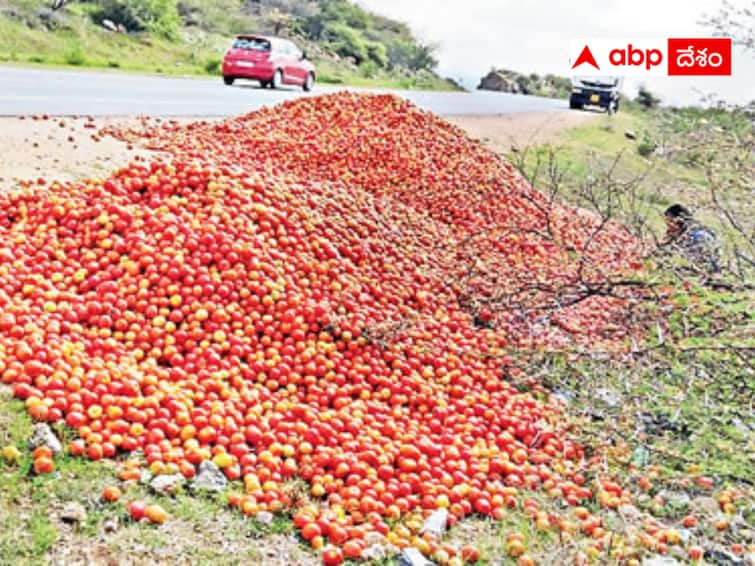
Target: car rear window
x,y
252,44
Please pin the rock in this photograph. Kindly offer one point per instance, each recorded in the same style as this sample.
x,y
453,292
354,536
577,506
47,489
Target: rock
x,y
73,512
500,82
412,557
209,478
109,25
705,506
630,135
42,435
122,28
608,397
167,484
659,560
51,19
264,517
436,523
375,552
740,425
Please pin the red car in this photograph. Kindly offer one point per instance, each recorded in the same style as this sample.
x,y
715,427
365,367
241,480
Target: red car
x,y
272,61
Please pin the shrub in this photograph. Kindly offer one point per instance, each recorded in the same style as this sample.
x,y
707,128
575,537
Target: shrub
x,y
368,69
378,54
157,16
647,145
75,55
347,42
212,66
647,99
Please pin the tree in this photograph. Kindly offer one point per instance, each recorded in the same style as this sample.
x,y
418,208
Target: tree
x,y
735,22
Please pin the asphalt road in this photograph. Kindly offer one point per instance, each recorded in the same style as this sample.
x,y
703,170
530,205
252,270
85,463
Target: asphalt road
x,y
37,91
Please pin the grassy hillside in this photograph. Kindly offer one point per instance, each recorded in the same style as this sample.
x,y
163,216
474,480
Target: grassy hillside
x,y
188,37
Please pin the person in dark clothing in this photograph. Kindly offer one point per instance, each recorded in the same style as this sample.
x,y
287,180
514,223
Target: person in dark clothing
x,y
694,241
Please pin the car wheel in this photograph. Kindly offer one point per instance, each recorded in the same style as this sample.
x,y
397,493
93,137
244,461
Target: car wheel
x,y
264,84
229,80
309,83
278,79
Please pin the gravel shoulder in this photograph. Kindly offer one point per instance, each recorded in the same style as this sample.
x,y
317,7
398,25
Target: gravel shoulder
x,y
68,149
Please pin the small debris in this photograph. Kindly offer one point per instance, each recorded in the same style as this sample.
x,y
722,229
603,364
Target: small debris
x,y
376,552
720,557
167,484
264,517
111,525
146,476
73,512
562,395
373,537
641,457
740,425
659,560
209,478
608,397
631,513
630,134
42,435
705,506
436,523
413,557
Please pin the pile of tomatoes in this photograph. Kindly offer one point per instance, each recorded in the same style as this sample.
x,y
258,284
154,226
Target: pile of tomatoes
x,y
298,293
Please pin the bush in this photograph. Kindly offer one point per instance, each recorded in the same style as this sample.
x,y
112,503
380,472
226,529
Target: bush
x,y
647,99
74,55
647,145
410,55
378,54
212,66
157,16
369,69
347,42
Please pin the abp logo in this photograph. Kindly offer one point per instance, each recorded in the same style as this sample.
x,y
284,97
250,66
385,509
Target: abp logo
x,y
650,56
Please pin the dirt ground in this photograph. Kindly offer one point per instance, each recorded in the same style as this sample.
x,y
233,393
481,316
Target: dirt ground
x,y
503,132
67,149
63,149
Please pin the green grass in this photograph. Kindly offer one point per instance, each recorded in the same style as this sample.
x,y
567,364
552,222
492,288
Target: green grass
x,y
202,529
83,45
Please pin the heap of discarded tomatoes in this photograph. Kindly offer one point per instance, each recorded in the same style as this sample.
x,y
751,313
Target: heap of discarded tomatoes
x,y
292,305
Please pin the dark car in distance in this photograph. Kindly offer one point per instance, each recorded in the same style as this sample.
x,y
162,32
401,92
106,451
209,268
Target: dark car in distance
x,y
595,91
272,61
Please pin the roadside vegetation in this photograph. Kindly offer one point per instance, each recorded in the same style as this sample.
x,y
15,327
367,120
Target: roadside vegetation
x,y
187,37
681,405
